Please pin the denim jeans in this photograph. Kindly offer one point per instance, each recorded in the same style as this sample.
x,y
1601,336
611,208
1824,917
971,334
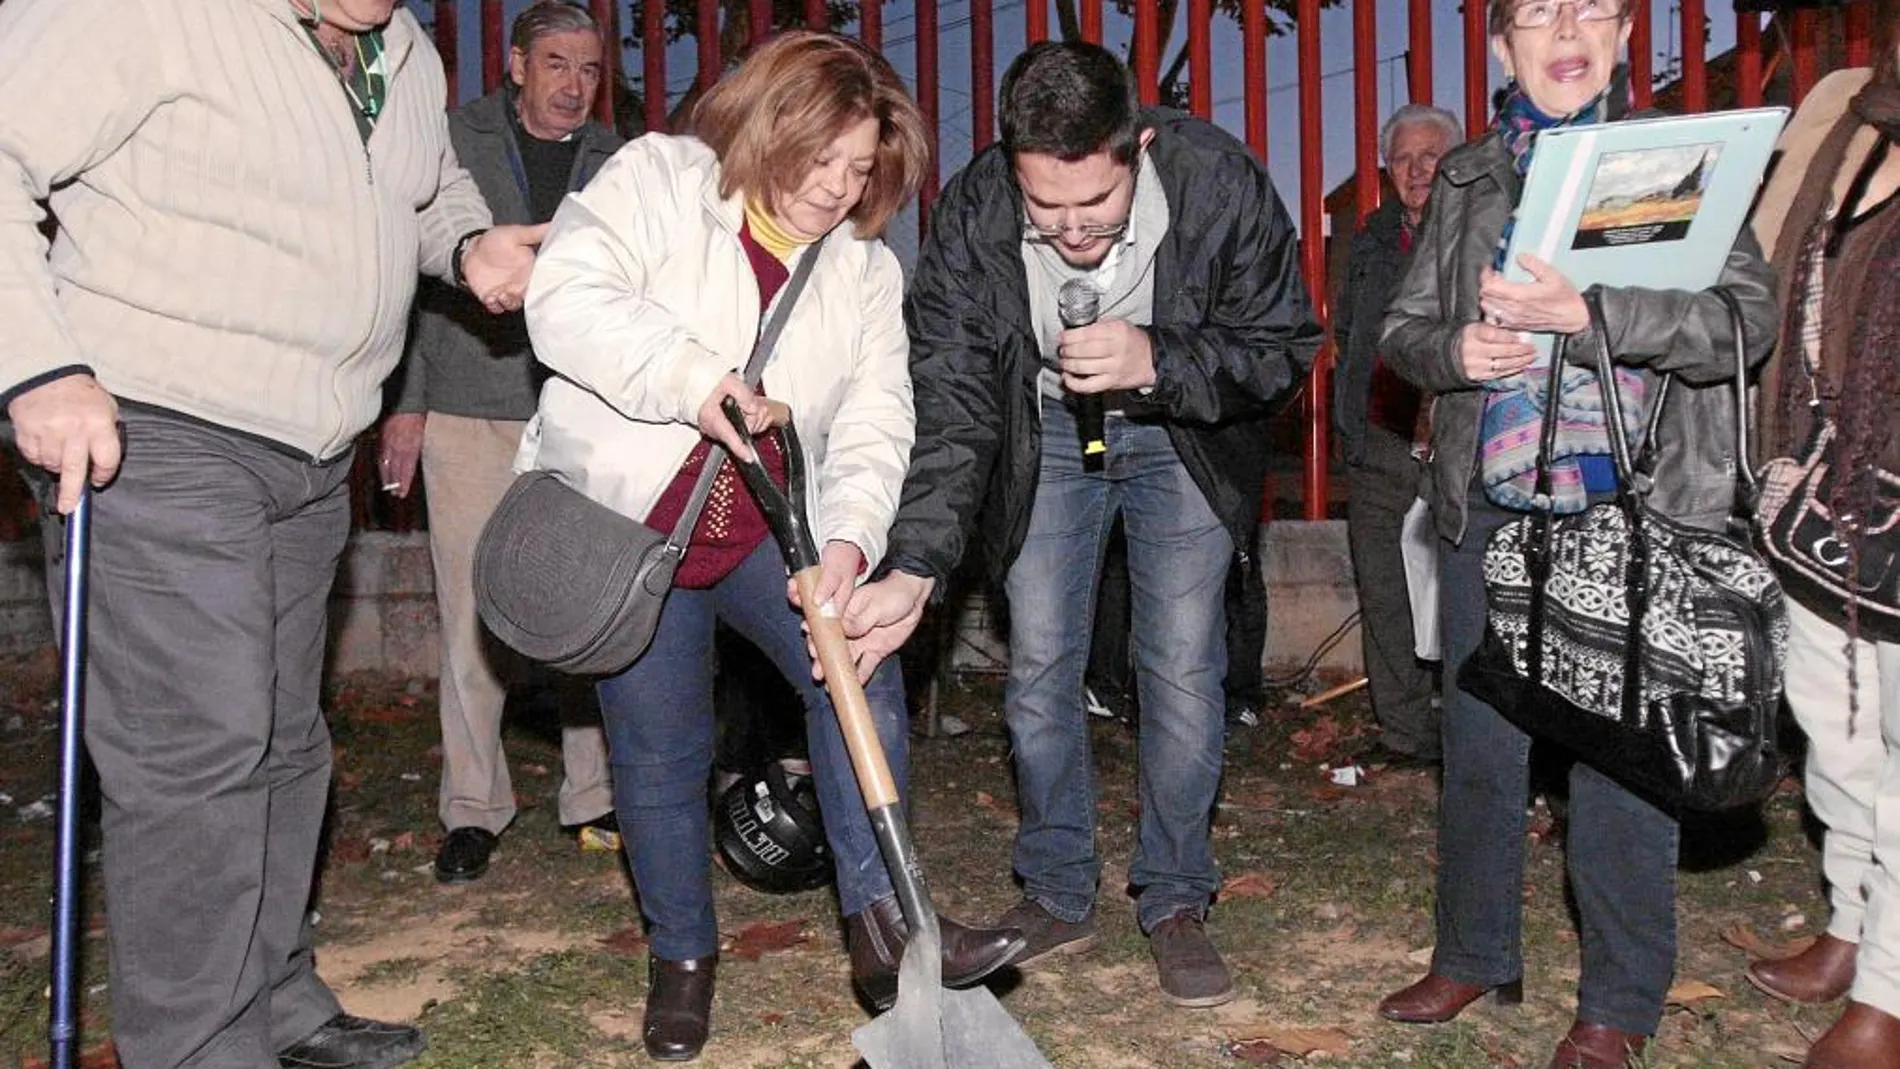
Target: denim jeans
x,y
1178,554
1620,849
659,720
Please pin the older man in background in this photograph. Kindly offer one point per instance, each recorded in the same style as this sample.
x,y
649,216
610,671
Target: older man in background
x,y
470,383
228,288
1380,417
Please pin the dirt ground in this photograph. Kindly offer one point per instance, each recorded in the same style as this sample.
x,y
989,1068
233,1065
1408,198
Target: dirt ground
x,y
1326,907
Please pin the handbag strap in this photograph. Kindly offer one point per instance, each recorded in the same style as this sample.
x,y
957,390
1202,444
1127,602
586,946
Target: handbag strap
x,y
754,370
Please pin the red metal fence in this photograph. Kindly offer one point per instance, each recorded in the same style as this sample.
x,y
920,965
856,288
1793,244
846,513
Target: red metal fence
x,y
1777,63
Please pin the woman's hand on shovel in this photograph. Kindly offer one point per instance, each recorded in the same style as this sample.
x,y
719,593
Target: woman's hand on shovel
x,y
838,566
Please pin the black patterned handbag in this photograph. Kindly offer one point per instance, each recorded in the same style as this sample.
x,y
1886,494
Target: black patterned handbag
x,y
1651,649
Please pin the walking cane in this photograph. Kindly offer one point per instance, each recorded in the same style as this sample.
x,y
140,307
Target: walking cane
x,y
72,704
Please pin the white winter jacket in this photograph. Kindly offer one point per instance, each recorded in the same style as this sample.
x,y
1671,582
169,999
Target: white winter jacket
x,y
643,298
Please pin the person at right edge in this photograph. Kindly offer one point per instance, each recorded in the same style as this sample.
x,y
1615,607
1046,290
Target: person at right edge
x,y
1204,322
1453,331
1830,220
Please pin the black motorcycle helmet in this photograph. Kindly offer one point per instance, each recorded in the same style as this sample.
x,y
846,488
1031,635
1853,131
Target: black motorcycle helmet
x,y
769,833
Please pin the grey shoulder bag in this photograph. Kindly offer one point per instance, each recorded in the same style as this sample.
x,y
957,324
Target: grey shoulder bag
x,y
577,586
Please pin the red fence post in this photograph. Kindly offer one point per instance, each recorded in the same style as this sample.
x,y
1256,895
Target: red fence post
x,y
1695,67
706,34
982,75
1313,255
1418,54
494,46
1859,18
653,64
1036,20
1253,48
607,17
1803,49
448,43
817,16
927,103
1091,20
1747,59
759,20
1642,58
1200,30
1477,81
1365,101
871,25
1147,50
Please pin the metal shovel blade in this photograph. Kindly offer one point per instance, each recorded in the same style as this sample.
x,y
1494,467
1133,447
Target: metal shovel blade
x,y
931,1027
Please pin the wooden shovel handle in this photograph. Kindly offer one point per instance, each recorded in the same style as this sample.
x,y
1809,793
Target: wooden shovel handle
x,y
847,695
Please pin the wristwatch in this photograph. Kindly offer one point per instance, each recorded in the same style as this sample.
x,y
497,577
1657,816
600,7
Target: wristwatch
x,y
456,278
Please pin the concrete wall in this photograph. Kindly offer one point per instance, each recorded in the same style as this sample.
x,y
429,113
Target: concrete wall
x,y
383,608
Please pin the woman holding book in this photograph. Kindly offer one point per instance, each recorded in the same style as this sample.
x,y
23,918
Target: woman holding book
x,y
1453,331
647,295
1830,219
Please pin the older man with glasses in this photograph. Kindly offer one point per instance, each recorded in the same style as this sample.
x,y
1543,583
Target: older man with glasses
x,y
1199,323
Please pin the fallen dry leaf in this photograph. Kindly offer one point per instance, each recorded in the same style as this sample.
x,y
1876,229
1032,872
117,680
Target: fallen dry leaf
x,y
1743,938
15,936
628,940
404,841
1690,992
988,803
1300,1042
1254,1051
1249,885
764,937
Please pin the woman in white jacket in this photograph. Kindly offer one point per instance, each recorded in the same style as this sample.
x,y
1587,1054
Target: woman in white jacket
x,y
646,300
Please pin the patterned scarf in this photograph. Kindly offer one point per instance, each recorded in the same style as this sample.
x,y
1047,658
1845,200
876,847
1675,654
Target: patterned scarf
x,y
1514,407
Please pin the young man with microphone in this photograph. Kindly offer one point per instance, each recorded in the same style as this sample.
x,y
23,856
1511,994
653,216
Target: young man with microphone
x,y
1107,306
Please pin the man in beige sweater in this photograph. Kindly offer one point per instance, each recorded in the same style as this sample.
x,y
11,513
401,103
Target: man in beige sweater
x,y
245,191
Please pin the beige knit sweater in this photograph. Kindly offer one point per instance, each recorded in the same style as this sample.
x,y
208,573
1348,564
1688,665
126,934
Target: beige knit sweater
x,y
228,247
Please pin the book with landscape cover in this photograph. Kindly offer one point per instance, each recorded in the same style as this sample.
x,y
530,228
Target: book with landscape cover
x,y
1644,202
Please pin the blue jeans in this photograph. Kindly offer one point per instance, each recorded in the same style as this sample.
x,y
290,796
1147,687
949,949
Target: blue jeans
x,y
659,720
1178,554
1620,849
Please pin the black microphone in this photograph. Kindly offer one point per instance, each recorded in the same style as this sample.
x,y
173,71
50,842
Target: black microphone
x,y
1078,302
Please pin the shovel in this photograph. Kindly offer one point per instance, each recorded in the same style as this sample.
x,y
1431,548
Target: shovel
x,y
63,1026
929,1027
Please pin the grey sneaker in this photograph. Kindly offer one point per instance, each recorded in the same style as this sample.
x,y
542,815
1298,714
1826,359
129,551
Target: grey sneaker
x,y
1191,971
1044,933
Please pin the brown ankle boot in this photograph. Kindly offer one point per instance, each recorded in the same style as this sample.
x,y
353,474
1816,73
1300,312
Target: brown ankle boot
x,y
679,1007
1864,1038
1821,973
1597,1046
1437,999
876,937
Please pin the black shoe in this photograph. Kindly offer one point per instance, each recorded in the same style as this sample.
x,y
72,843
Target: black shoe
x,y
464,855
679,1007
1385,757
346,1042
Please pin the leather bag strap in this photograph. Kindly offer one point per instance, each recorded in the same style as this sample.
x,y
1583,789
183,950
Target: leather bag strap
x,y
754,370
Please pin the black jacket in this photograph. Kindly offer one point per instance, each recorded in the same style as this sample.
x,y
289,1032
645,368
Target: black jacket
x,y
1657,331
1372,277
1233,330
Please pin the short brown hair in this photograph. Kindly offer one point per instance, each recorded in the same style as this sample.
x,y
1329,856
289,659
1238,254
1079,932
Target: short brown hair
x,y
769,119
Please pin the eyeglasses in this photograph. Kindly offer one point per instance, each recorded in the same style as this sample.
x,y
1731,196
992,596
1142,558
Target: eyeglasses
x,y
1035,233
1541,13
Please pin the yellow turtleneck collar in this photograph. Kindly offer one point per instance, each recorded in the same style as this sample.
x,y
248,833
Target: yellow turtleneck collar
x,y
766,230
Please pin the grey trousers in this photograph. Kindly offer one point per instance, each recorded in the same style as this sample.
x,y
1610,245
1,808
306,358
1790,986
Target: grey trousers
x,y
1383,486
212,559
